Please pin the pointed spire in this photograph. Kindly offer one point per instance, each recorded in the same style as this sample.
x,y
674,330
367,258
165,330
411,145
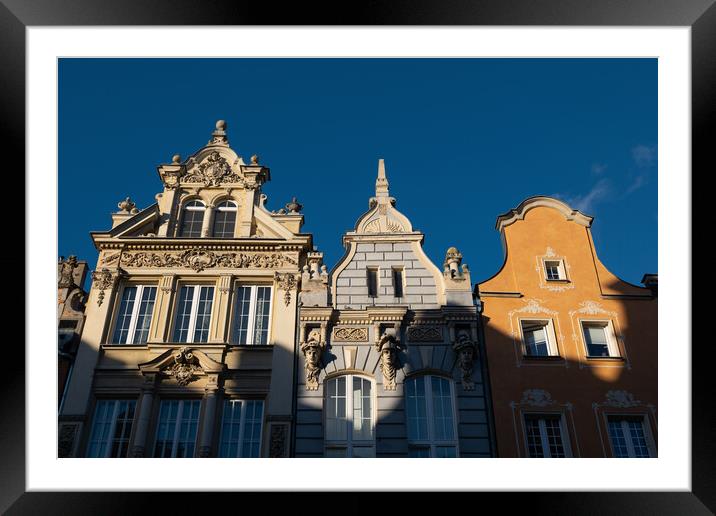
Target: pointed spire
x,y
381,184
218,137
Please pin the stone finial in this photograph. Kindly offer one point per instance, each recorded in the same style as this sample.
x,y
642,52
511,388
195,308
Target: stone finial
x,y
294,206
451,265
381,184
218,137
127,206
67,268
176,159
254,159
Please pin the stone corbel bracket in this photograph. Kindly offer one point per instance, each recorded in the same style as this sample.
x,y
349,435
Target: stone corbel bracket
x,y
388,346
286,282
312,350
465,350
184,364
104,279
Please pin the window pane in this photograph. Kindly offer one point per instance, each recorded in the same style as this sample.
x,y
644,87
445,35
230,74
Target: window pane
x,y
596,338
616,434
183,314
534,438
124,316
372,278
638,439
442,409
166,426
203,314
224,220
398,282
230,429
144,316
336,421
416,407
252,429
241,314
335,452
554,437
263,310
362,424
419,452
445,451
111,428
176,428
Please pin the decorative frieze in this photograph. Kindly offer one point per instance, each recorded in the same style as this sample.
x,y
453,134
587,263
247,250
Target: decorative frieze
x,y
351,334
425,334
537,398
202,258
621,399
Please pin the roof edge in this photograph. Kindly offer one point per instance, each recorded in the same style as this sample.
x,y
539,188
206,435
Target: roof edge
x,y
537,201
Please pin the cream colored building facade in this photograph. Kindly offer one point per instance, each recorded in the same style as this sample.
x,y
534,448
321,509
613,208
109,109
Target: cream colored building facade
x,y
188,344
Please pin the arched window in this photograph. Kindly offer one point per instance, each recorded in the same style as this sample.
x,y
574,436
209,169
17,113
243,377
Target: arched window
x,y
192,219
430,413
350,420
224,220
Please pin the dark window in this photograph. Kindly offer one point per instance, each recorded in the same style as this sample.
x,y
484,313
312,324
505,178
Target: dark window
x,y
398,282
372,282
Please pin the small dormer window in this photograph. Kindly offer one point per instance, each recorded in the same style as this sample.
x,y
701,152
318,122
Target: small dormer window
x,y
192,219
224,220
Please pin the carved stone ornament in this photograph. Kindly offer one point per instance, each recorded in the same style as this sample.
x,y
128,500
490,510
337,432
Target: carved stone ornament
x,y
537,398
351,334
388,348
127,206
312,350
425,334
183,369
277,446
213,171
67,267
200,259
287,283
621,399
464,347
102,280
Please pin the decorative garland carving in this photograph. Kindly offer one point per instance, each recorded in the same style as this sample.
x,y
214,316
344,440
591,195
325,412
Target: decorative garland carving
x,y
427,334
537,398
201,258
312,350
102,280
287,283
213,171
351,334
387,346
621,399
464,347
184,367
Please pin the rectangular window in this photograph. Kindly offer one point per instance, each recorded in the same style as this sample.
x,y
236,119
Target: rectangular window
x,y
544,436
241,428
372,278
176,428
430,416
134,315
538,338
349,430
398,282
193,313
554,270
111,428
628,436
252,315
599,339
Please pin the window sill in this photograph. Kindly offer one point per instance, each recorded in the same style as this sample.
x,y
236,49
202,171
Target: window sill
x,y
549,358
607,359
557,280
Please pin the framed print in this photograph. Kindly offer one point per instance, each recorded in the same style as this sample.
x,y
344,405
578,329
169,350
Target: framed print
x,y
211,284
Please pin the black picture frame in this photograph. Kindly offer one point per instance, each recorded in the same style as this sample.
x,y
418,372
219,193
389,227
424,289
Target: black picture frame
x,y
699,15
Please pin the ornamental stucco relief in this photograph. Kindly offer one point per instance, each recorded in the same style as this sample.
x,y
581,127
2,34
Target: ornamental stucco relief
x,y
200,259
351,334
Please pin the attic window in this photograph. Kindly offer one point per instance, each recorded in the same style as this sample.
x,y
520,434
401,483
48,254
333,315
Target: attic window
x,y
372,279
192,219
224,220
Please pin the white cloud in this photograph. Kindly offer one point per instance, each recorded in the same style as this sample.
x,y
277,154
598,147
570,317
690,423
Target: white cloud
x,y
586,203
644,155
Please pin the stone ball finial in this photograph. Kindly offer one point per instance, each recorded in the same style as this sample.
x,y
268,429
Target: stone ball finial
x,y
176,159
254,160
127,206
221,125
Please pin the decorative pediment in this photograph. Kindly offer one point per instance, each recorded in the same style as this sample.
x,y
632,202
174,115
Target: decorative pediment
x,y
382,217
184,364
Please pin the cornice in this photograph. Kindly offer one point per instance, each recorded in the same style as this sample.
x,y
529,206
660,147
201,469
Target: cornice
x,y
530,203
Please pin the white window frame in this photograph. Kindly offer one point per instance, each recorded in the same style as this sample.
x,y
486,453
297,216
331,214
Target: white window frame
x,y
431,443
561,269
242,424
220,207
194,308
612,342
550,334
177,427
646,427
349,444
135,312
110,434
252,315
541,416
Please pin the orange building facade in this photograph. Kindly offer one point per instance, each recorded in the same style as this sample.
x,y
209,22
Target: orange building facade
x,y
571,348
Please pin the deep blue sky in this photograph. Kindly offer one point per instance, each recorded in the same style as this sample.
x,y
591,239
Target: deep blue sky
x,y
464,140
